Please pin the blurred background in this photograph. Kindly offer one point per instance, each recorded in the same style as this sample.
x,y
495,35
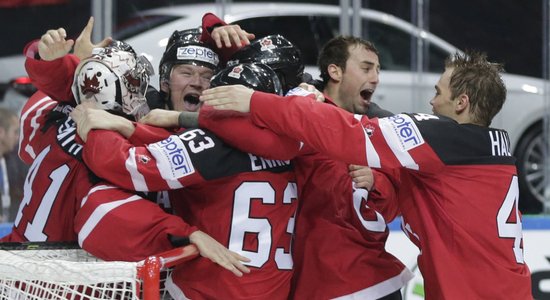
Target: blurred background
x,y
509,31
413,37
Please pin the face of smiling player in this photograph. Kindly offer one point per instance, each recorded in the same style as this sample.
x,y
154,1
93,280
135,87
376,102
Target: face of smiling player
x,y
186,85
358,81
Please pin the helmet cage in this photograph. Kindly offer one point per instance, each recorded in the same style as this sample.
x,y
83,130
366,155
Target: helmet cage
x,y
115,79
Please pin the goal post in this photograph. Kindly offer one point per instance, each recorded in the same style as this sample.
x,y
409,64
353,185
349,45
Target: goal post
x,y
150,270
63,271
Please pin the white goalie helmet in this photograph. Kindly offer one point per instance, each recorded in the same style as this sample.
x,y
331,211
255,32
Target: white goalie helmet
x,y
115,79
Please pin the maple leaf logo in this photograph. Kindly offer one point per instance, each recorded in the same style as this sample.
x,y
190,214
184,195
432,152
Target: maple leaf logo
x,y
266,42
90,85
369,129
132,81
237,70
144,159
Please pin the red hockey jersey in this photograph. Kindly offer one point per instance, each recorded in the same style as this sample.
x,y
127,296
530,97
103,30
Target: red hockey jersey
x,y
52,208
458,193
115,224
245,202
55,157
58,180
340,234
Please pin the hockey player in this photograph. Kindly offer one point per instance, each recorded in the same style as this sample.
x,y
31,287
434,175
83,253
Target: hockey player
x,y
244,201
58,183
358,228
459,189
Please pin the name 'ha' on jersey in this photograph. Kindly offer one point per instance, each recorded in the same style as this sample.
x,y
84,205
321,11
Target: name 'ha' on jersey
x,y
458,193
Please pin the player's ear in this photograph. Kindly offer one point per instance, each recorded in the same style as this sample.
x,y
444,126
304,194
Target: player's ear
x,y
165,86
335,72
462,103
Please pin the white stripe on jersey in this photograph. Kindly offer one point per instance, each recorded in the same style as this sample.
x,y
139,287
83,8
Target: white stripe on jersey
x,y
174,290
381,289
95,189
35,126
373,159
98,214
137,179
393,140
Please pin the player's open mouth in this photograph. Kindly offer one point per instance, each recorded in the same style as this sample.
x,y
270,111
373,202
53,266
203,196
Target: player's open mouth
x,y
191,102
191,98
366,94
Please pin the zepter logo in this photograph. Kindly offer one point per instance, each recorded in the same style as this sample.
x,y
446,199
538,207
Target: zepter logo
x,y
193,52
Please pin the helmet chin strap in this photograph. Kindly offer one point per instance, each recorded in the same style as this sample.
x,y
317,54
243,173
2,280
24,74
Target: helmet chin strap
x,y
168,99
118,97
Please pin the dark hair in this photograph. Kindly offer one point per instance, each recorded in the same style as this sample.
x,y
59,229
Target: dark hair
x,y
336,51
481,80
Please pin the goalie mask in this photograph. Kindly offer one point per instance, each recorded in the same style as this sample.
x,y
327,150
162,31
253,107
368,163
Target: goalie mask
x,y
115,79
258,77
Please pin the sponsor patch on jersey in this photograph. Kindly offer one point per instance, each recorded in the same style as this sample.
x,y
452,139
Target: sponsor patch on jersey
x,y
197,53
172,158
405,130
298,91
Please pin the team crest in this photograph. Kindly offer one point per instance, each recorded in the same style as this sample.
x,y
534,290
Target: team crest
x,y
267,44
236,72
144,159
369,130
90,85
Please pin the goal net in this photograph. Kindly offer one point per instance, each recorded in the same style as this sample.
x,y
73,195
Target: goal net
x,y
36,271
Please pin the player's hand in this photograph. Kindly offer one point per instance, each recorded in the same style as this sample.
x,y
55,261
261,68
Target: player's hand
x,y
83,45
362,176
88,117
319,96
53,44
217,253
229,97
161,118
228,34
